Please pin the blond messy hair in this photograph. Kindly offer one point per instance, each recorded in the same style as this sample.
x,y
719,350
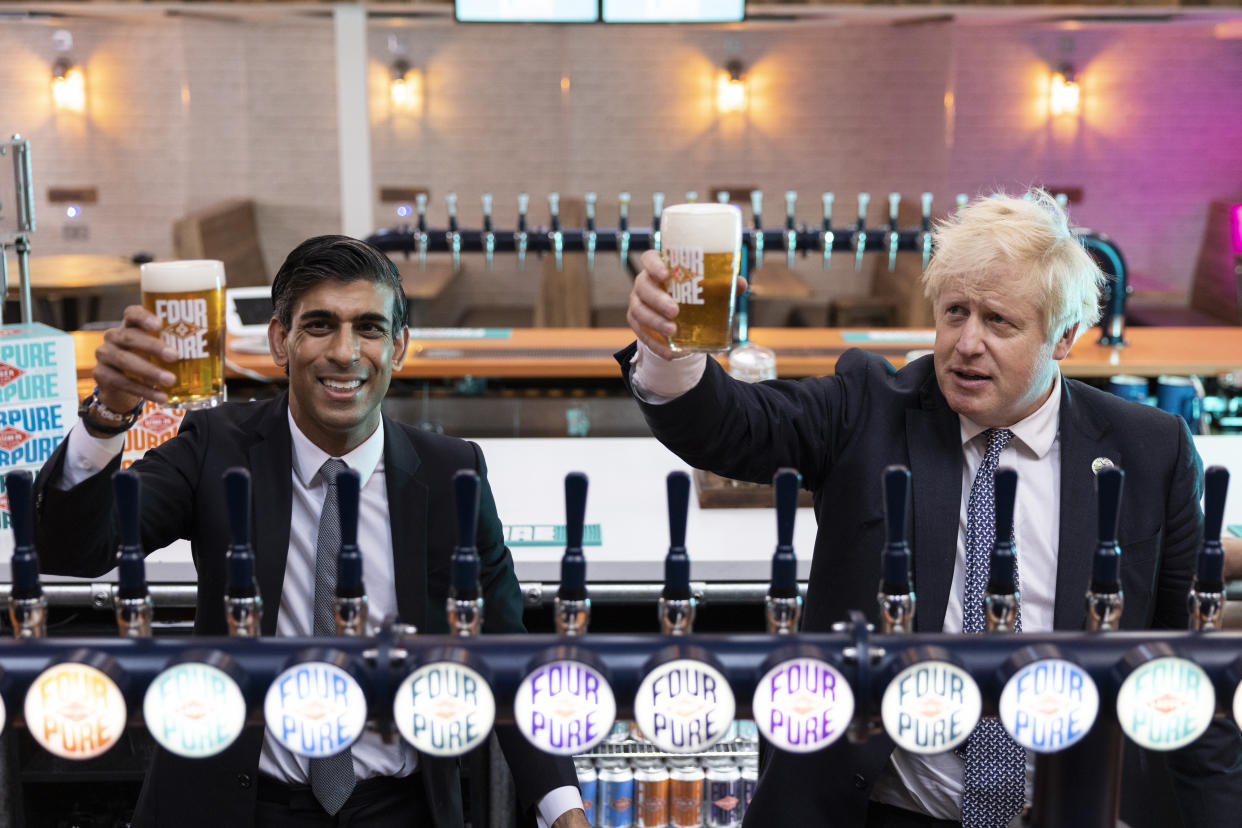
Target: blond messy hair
x,y
1027,238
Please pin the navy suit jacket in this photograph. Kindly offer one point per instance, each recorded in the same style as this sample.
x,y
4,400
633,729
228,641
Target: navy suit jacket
x,y
182,497
841,431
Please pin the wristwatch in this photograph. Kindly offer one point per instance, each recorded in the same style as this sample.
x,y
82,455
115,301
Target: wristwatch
x,y
98,417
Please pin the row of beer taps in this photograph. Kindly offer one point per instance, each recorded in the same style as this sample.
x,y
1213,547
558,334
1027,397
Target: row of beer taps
x,y
422,239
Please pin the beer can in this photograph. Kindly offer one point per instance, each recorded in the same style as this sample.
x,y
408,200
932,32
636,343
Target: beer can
x,y
685,795
651,793
724,795
587,784
750,779
616,795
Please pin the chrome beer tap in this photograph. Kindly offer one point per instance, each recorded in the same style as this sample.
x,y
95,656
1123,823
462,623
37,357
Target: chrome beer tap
x,y
623,228
420,203
657,205
791,232
572,607
860,234
1207,594
925,234
894,203
349,602
489,236
590,231
829,236
555,234
453,237
27,603
520,237
896,595
756,209
1001,599
1104,597
783,605
243,606
677,604
465,601
134,609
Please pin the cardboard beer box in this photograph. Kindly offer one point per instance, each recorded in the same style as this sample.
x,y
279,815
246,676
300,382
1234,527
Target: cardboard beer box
x,y
36,363
156,425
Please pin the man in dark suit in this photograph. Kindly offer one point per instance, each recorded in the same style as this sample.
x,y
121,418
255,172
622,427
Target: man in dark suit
x,y
1011,289
339,330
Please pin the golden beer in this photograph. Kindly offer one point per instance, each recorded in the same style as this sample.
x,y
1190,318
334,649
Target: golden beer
x,y
701,245
188,297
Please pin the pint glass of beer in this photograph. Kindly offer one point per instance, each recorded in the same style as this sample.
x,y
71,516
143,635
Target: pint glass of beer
x,y
188,297
702,245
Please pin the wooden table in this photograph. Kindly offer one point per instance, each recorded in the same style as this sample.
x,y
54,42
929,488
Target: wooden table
x,y
68,278
559,353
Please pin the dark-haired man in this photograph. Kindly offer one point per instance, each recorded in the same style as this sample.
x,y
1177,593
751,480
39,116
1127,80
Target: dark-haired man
x,y
339,331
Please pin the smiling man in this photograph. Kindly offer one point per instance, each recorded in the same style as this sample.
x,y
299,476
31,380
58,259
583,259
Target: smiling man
x,y
1011,288
339,331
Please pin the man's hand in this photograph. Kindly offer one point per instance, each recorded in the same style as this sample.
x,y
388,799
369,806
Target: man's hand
x,y
1233,558
123,371
573,818
652,311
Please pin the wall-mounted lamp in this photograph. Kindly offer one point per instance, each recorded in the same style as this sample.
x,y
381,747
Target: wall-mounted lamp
x,y
404,87
68,86
731,88
1063,99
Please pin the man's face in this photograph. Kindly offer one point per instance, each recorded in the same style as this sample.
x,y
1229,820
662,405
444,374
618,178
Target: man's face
x,y
993,362
340,353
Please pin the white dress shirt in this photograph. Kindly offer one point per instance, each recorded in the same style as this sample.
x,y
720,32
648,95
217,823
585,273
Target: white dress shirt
x,y
932,784
86,455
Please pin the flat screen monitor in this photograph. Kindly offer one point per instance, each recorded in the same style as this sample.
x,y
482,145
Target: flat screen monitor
x,y
527,11
673,11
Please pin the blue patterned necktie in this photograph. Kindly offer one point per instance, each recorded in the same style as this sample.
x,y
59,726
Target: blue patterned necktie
x,y
332,779
994,778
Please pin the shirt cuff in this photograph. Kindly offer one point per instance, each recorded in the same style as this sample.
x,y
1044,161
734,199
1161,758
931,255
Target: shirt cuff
x,y
86,454
657,381
555,803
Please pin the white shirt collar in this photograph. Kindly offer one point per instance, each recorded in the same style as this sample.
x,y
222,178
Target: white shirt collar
x,y
308,457
1037,432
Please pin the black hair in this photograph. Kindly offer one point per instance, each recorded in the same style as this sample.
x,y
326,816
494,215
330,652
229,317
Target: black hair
x,y
339,258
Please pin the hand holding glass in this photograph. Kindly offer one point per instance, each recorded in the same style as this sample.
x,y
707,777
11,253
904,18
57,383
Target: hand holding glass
x,y
702,247
188,298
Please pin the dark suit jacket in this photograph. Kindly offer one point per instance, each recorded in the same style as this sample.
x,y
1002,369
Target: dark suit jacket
x,y
841,431
183,497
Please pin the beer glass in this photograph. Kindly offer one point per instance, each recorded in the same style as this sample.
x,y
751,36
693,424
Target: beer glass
x,y
702,247
188,297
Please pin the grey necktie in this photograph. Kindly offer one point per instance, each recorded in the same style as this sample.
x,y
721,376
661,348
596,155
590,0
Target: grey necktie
x,y
994,776
332,779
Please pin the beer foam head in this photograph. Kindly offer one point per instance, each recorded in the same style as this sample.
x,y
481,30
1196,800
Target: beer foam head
x,y
717,228
182,276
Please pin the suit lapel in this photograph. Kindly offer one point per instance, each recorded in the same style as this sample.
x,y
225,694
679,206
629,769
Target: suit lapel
x,y
933,434
407,508
1080,445
271,462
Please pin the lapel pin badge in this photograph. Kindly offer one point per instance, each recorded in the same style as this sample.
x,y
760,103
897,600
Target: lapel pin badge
x,y
1100,463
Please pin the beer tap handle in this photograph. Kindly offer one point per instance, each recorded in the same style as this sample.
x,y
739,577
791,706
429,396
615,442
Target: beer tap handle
x,y
489,236
590,228
523,204
860,234
722,197
829,236
623,228
350,601
420,202
454,237
27,603
962,200
756,209
572,606
558,240
1212,556
894,203
1062,200
134,610
465,602
926,229
677,604
657,203
692,196
783,605
896,596
1104,597
1000,600
791,232
243,606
